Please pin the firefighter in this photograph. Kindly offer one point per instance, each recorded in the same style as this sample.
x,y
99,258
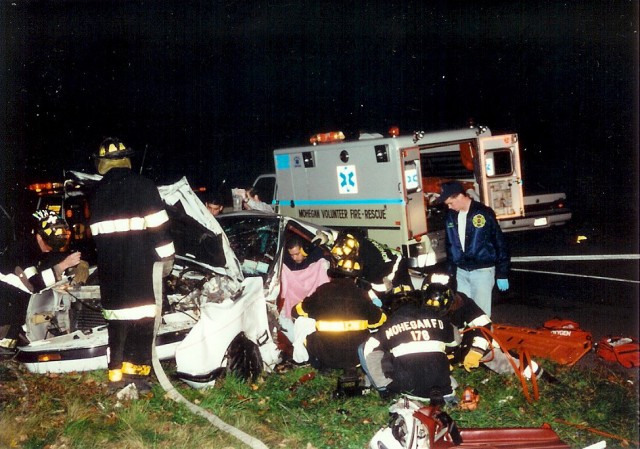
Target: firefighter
x,y
343,314
474,346
39,261
130,228
382,268
408,354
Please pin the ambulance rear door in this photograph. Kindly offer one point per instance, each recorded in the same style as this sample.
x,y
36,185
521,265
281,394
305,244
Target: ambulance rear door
x,y
500,176
412,189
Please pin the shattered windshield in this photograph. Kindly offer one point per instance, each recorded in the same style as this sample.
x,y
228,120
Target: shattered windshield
x,y
254,240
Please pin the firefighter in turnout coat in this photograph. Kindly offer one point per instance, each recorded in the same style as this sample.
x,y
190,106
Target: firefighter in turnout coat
x,y
408,354
343,314
382,269
129,225
474,346
39,261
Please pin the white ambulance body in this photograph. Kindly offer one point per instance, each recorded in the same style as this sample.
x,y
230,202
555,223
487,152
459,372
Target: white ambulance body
x,y
377,184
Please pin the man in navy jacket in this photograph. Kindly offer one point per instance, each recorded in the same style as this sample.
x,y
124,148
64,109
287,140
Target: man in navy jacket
x,y
477,252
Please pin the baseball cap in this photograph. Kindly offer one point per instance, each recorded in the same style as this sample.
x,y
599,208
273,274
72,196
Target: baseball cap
x,y
449,189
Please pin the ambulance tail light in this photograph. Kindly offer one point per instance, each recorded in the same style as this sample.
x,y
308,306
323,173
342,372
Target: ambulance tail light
x,y
330,137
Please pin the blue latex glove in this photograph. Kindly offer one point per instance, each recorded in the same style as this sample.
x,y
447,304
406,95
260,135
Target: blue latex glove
x,y
377,302
503,284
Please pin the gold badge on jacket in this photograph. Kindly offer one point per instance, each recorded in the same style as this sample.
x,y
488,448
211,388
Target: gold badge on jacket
x,y
479,221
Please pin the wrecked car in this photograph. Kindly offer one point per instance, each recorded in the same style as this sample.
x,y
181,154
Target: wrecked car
x,y
226,273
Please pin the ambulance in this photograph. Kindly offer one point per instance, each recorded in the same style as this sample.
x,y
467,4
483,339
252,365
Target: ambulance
x,y
387,185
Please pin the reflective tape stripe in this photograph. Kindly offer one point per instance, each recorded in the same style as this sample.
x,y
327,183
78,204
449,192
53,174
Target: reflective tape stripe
x,y
30,271
166,250
133,313
481,343
49,277
119,225
156,219
341,326
130,224
383,319
416,347
382,287
301,311
370,345
480,321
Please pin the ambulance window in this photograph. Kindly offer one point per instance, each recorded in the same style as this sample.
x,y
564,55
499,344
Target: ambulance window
x,y
382,153
412,176
445,164
498,162
307,157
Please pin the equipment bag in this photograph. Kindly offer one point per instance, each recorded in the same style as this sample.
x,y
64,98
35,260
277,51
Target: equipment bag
x,y
624,350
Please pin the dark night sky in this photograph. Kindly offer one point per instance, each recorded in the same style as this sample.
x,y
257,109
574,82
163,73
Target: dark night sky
x,y
210,88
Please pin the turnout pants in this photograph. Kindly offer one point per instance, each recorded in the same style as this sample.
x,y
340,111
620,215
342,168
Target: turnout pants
x,y
130,341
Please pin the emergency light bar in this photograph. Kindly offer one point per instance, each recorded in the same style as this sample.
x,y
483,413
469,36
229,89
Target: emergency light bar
x,y
333,136
44,186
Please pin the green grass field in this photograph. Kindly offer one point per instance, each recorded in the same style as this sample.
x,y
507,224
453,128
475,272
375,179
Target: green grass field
x,y
75,411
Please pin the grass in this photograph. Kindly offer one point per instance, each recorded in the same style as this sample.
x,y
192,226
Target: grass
x,y
75,411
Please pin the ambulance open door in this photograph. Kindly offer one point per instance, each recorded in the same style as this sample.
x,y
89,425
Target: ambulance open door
x,y
414,196
500,175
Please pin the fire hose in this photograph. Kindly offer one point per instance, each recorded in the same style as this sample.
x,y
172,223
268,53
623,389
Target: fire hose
x,y
171,391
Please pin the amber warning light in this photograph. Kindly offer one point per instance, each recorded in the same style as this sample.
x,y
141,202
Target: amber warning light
x,y
333,136
44,186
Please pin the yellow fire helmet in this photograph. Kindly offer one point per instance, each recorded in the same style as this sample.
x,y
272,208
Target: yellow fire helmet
x,y
347,266
346,245
113,148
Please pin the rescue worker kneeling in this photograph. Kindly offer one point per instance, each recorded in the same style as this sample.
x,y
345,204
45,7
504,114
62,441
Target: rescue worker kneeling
x,y
343,315
474,346
408,353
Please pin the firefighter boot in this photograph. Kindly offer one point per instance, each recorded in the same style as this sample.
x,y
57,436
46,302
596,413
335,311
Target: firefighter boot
x,y
116,383
350,384
138,375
